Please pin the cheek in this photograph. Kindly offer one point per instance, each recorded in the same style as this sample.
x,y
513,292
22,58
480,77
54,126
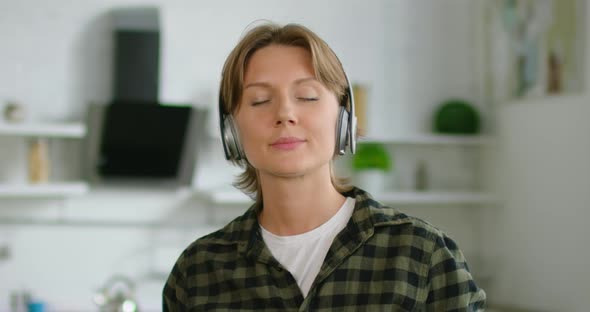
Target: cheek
x,y
246,133
327,128
251,134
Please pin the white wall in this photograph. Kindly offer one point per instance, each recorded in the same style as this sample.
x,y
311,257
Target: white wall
x,y
55,59
431,58
535,245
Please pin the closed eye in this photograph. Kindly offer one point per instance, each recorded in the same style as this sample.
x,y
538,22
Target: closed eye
x,y
308,99
260,102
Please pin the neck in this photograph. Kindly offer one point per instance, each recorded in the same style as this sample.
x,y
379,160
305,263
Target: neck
x,y
296,205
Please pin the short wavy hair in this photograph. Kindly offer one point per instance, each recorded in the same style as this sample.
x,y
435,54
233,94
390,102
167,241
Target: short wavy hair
x,y
327,69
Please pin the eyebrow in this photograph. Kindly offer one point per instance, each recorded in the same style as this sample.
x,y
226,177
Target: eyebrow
x,y
268,85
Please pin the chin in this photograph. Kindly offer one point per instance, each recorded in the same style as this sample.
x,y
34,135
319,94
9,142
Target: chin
x,y
287,172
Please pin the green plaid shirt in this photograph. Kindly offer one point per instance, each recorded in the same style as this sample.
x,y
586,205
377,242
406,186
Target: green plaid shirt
x,y
383,260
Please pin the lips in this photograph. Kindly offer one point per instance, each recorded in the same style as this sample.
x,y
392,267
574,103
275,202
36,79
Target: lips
x,y
287,143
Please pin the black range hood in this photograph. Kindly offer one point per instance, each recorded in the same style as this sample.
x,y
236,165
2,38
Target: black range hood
x,y
137,136
136,57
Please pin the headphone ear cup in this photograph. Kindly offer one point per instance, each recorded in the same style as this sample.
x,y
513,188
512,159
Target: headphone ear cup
x,y
231,139
341,130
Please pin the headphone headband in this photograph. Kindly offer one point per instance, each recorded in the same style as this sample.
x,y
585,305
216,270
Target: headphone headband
x,y
351,115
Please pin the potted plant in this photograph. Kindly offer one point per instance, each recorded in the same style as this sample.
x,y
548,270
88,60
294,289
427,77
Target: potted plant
x,y
372,165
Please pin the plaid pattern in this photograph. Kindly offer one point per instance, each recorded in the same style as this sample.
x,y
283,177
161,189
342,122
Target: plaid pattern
x,y
383,260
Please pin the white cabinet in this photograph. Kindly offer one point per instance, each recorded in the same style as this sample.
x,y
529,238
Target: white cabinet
x,y
51,189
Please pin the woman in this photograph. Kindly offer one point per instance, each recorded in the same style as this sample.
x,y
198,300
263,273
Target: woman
x,y
308,243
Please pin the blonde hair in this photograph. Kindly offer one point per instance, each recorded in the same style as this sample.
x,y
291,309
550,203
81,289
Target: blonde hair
x,y
327,69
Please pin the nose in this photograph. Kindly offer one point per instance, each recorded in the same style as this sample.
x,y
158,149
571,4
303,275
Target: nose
x,y
285,112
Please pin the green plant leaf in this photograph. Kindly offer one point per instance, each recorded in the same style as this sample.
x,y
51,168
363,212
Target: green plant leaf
x,y
371,156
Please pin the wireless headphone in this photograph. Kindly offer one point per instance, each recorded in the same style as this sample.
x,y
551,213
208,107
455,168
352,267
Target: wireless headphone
x,y
345,128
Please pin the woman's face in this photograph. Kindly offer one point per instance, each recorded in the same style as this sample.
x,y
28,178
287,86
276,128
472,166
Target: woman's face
x,y
286,118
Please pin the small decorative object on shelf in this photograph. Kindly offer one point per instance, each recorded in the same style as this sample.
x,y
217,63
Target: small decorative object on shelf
x,y
372,164
14,112
456,117
38,161
421,177
359,93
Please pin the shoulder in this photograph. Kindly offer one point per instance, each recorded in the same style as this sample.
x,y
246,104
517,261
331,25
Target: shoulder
x,y
392,228
221,244
450,285
401,223
407,234
391,221
202,257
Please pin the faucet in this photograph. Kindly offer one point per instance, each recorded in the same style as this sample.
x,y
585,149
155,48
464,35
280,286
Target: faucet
x,y
117,295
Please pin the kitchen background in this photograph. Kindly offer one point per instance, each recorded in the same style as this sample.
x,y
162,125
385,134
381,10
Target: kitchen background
x,y
516,198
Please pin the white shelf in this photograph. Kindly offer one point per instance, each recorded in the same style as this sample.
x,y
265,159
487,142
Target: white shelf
x,y
400,198
46,190
431,139
435,197
226,197
59,130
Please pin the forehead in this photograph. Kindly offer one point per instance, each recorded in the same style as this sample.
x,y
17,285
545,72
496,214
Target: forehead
x,y
278,63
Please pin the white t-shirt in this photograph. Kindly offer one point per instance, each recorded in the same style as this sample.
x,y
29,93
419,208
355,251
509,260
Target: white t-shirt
x,y
303,254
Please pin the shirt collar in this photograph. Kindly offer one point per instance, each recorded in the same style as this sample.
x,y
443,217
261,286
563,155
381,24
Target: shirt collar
x,y
368,213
